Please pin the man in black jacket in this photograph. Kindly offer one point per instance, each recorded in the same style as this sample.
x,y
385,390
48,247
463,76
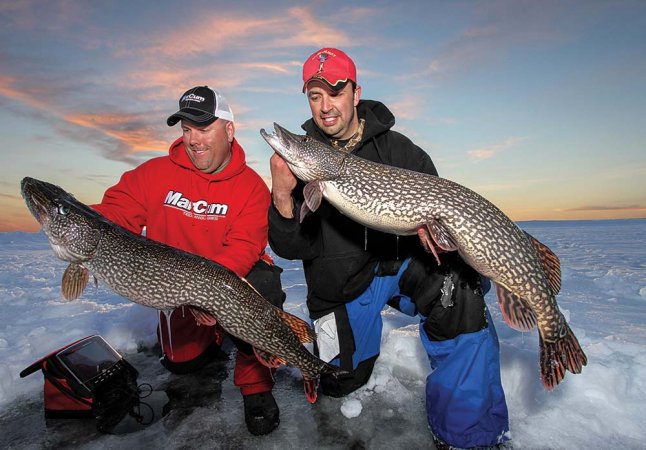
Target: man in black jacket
x,y
352,272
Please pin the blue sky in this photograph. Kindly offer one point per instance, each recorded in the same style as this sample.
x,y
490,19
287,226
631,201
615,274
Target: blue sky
x,y
537,105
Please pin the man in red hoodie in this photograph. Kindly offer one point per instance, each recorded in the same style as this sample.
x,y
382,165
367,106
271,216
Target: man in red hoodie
x,y
203,198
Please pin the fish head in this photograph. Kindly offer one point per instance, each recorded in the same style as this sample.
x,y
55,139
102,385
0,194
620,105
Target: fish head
x,y
306,157
73,229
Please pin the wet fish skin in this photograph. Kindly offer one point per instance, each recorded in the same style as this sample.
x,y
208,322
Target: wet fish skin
x,y
162,277
526,273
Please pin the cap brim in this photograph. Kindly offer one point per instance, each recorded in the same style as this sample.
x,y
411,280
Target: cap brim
x,y
338,85
196,116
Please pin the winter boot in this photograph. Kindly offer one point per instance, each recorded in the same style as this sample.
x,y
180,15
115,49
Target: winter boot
x,y
441,445
261,413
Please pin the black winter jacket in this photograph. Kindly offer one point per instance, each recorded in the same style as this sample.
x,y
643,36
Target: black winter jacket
x,y
339,255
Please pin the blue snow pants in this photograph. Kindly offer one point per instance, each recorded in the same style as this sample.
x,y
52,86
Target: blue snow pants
x,y
464,398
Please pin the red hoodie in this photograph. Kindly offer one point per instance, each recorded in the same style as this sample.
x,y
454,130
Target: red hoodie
x,y
220,216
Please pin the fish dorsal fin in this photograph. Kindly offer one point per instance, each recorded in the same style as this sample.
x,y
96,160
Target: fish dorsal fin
x,y
551,263
301,329
202,317
267,359
75,278
515,310
313,194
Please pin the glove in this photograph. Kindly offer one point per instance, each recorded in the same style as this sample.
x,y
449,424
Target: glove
x,y
448,295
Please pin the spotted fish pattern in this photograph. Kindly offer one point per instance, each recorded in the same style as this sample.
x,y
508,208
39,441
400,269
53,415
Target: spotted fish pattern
x,y
450,217
162,277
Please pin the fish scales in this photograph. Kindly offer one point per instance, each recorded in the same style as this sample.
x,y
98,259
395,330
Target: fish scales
x,y
479,228
159,276
399,201
143,276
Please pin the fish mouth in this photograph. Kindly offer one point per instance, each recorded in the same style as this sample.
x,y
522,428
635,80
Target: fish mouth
x,y
29,189
273,140
49,203
283,142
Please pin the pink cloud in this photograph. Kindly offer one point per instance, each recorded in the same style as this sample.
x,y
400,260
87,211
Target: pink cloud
x,y
492,150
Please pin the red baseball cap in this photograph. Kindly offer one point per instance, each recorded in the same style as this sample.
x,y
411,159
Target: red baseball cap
x,y
330,65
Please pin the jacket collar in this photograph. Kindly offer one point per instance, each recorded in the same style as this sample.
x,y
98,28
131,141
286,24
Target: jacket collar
x,y
237,163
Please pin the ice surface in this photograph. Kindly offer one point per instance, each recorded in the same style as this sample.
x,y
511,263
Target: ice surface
x,y
603,295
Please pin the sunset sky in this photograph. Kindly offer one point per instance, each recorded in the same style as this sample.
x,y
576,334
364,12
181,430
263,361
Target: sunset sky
x,y
539,106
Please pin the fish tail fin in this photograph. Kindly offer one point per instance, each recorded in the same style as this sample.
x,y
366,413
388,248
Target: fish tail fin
x,y
312,382
559,356
311,385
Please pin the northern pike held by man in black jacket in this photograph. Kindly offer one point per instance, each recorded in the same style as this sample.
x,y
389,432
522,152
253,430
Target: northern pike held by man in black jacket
x,y
157,275
449,217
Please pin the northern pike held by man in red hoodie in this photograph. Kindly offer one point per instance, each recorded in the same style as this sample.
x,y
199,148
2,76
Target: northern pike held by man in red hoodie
x,y
163,277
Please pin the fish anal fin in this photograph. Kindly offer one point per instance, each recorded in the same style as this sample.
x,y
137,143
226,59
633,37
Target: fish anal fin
x,y
75,278
202,317
559,356
551,263
434,236
441,236
267,359
301,329
427,242
516,311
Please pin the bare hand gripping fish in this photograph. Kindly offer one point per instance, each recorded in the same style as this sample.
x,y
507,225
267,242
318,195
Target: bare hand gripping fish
x,y
157,275
526,273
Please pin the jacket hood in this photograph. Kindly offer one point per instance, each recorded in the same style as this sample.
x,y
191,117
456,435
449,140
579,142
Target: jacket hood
x,y
378,119
237,164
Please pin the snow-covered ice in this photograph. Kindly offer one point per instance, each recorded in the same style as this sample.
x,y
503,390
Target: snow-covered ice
x,y
603,296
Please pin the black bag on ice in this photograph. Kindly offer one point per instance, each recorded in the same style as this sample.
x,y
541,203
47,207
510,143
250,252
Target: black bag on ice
x,y
82,379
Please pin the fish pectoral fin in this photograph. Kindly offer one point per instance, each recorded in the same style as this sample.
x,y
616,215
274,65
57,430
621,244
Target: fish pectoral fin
x,y
516,311
202,317
313,194
301,329
75,278
268,360
305,210
551,263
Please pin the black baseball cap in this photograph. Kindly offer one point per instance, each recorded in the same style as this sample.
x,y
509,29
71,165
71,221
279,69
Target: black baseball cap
x,y
201,105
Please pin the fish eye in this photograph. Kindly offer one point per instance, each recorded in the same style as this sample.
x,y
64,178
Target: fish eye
x,y
63,210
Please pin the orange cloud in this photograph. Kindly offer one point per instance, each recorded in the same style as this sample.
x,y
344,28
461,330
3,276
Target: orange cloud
x,y
607,208
157,68
220,31
28,97
118,126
